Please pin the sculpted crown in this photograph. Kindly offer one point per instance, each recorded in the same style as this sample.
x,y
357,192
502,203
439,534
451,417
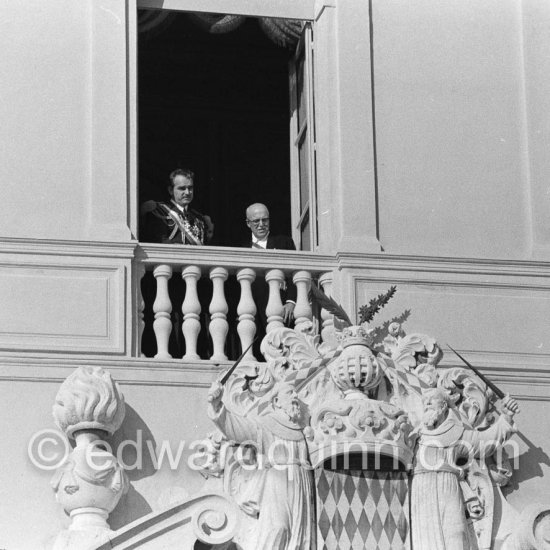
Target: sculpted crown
x,y
354,335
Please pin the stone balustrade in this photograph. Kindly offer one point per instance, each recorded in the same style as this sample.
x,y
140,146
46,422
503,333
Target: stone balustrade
x,y
217,297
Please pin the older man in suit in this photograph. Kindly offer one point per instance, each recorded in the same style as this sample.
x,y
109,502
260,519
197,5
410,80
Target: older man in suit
x,y
257,220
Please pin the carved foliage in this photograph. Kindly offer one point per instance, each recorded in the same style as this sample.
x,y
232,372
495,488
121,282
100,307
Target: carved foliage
x,y
299,348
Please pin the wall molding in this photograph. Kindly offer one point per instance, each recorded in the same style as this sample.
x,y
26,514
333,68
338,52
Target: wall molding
x,y
221,255
438,264
455,283
530,382
51,247
127,371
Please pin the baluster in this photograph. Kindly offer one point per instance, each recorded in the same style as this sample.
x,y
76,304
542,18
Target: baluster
x,y
327,330
246,310
218,312
275,278
302,311
139,272
191,309
162,308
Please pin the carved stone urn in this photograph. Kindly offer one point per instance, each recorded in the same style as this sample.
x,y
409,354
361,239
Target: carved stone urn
x,y
90,482
357,369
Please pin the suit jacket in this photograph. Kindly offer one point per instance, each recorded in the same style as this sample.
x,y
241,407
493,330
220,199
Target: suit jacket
x,y
276,242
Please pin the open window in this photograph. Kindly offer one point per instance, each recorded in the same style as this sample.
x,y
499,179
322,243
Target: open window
x,y
218,102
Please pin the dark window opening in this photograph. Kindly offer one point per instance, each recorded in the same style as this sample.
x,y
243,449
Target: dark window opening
x,y
219,105
356,461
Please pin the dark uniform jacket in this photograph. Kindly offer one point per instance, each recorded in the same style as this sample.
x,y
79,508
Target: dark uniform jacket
x,y
167,224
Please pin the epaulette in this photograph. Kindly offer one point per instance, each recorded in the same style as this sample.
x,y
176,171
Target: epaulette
x,y
162,211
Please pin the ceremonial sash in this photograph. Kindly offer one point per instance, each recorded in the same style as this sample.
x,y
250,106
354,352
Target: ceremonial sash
x,y
179,225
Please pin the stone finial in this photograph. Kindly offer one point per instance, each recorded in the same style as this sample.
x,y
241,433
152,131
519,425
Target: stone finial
x,y
89,399
90,483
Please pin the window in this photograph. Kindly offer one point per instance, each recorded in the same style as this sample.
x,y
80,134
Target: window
x,y
219,104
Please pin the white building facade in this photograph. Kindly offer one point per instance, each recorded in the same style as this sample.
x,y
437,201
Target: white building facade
x,y
431,173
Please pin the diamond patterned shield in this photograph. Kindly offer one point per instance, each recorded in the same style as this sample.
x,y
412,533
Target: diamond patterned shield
x,y
359,509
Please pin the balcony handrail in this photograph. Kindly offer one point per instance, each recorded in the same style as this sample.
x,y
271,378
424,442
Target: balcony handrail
x,y
271,268
234,258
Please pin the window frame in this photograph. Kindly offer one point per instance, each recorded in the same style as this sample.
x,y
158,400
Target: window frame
x,y
302,134
285,9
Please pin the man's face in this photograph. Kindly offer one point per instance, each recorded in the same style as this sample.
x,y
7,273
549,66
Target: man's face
x,y
435,409
258,221
287,400
182,191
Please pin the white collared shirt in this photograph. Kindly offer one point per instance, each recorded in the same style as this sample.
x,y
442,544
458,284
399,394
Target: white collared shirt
x,y
262,242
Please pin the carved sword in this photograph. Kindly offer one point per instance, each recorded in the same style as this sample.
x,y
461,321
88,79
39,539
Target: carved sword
x,y
235,364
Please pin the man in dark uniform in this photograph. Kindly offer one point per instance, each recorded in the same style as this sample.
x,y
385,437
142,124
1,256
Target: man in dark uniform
x,y
175,222
257,220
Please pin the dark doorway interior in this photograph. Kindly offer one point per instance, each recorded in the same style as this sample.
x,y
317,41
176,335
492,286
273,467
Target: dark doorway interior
x,y
218,104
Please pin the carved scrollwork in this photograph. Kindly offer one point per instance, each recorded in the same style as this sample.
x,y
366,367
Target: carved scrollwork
x,y
360,401
300,348
479,498
532,531
250,382
541,528
416,353
215,521
412,350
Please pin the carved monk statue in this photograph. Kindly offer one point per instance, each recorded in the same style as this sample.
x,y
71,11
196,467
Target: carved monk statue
x,y
438,513
280,494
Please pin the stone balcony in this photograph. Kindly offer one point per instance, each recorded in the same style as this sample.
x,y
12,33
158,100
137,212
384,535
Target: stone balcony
x,y
216,297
